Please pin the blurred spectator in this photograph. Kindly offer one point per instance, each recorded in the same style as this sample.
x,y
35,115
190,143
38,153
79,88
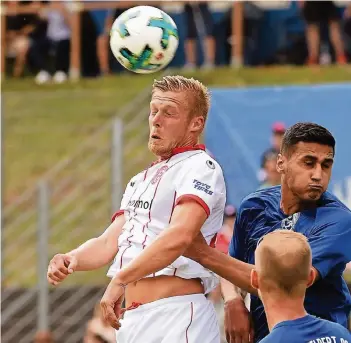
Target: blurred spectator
x,y
347,24
317,13
98,331
43,337
22,29
55,42
223,239
199,18
278,130
272,177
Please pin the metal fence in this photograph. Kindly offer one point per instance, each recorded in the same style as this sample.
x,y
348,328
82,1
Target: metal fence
x,y
71,203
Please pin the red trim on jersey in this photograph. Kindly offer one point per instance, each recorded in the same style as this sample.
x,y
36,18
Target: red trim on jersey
x,y
179,150
117,214
130,244
194,198
213,241
173,206
191,320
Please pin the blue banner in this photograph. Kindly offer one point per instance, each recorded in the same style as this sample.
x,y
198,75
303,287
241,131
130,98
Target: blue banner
x,y
239,129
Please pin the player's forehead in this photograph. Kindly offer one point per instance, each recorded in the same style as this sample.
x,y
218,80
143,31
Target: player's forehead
x,y
316,151
169,99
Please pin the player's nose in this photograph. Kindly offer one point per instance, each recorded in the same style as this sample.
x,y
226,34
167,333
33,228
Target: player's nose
x,y
317,173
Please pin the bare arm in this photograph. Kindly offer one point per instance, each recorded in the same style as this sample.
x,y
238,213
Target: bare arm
x,y
93,254
230,291
231,269
98,252
187,220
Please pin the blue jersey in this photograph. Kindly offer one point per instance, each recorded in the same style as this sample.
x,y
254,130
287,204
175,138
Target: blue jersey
x,y
328,229
308,329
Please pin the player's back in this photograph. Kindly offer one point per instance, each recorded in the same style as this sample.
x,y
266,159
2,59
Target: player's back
x,y
328,229
308,329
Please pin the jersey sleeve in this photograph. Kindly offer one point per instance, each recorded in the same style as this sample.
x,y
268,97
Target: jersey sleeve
x,y
202,182
125,199
237,246
331,246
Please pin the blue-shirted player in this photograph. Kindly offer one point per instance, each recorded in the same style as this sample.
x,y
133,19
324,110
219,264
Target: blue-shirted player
x,y
283,271
301,204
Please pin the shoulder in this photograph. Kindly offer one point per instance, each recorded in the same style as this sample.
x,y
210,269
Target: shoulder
x,y
332,212
335,328
201,160
261,199
203,165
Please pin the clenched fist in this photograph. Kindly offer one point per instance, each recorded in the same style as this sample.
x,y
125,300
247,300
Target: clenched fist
x,y
60,266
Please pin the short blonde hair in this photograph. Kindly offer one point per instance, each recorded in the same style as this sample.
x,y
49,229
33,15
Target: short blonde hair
x,y
284,262
201,99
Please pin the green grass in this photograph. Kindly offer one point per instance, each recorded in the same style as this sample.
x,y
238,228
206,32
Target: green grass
x,y
45,124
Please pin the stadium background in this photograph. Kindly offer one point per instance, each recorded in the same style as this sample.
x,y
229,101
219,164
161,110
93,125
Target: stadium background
x,y
66,160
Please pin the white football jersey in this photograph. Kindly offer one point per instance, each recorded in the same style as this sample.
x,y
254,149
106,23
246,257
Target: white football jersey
x,y
149,201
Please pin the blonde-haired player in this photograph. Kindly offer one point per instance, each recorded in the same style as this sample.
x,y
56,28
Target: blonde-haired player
x,y
283,271
163,209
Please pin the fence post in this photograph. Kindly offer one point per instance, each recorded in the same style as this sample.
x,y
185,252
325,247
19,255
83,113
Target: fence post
x,y
116,164
43,241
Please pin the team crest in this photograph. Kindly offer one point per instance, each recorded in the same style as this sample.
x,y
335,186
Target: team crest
x,y
159,174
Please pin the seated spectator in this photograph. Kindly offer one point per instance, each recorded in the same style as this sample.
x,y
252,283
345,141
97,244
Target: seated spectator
x,y
198,17
98,331
21,30
317,13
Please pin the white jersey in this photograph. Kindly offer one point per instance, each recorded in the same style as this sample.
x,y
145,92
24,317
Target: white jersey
x,y
149,201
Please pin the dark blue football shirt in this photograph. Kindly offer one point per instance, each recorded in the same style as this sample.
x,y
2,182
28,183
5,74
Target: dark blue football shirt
x,y
328,229
308,329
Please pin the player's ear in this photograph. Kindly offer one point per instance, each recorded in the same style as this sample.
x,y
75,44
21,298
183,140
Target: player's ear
x,y
254,279
312,277
197,124
280,163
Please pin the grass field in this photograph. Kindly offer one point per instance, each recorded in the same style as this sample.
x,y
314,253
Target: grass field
x,y
43,125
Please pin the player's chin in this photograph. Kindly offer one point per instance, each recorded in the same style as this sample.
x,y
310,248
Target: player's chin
x,y
314,195
157,147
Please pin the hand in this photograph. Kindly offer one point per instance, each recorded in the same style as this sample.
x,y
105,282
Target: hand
x,y
237,323
60,266
111,303
196,247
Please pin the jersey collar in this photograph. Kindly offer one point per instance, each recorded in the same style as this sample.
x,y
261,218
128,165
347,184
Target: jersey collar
x,y
182,149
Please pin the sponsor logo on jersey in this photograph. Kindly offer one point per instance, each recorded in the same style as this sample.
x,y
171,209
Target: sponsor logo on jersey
x,y
140,204
202,187
159,174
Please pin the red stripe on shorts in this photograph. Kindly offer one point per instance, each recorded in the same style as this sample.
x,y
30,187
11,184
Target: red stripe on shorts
x,y
191,320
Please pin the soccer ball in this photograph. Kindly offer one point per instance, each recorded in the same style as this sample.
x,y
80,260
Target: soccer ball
x,y
144,39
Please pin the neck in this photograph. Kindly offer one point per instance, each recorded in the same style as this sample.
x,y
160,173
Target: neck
x,y
190,142
282,309
291,204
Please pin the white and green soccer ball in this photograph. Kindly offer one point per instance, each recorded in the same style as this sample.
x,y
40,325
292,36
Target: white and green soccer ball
x,y
144,39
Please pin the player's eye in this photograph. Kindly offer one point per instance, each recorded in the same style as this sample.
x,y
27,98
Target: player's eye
x,y
309,163
326,165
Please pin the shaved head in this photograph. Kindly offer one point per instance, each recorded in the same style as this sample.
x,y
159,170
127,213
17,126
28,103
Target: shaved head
x,y
283,262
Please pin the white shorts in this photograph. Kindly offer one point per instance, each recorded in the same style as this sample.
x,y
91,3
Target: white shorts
x,y
182,319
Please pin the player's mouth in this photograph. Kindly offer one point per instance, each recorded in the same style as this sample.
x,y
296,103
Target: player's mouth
x,y
155,137
316,187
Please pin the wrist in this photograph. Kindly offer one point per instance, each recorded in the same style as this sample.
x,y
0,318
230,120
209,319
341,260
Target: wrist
x,y
233,298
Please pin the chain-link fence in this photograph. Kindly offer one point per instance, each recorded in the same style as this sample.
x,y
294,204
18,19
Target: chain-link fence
x,y
72,203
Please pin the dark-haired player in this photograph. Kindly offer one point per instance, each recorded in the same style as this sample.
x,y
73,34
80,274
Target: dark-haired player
x,y
301,204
